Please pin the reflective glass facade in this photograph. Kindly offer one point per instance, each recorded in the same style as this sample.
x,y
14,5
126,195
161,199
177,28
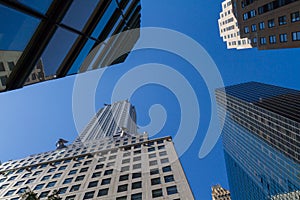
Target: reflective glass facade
x,y
261,146
61,34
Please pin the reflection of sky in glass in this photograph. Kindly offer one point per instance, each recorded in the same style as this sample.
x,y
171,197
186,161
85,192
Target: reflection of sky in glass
x,y
104,19
16,32
79,8
39,5
57,49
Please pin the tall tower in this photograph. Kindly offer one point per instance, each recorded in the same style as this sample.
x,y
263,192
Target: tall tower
x,y
219,193
108,161
261,139
114,119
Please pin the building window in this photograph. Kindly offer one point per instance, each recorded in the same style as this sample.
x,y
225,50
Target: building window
x,y
296,36
22,190
44,194
136,185
125,168
155,181
137,196
126,161
165,160
253,27
57,175
17,184
68,180
124,177
295,17
74,188
122,198
153,162
137,166
263,41
272,39
79,178
152,155
51,184
103,192
30,181
138,158
100,166
84,170
96,174
283,37
167,169
71,197
246,29
108,172
89,195
172,190
105,181
245,16
62,168
271,23
10,192
122,188
157,193
93,184
164,153
252,13
169,178
39,186
136,175
72,172
282,20
154,171
151,149
62,190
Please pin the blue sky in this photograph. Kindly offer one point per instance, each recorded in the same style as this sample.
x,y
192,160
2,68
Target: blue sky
x,y
34,117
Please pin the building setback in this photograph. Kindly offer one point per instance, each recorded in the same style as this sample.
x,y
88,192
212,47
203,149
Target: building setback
x,y
219,193
261,138
229,30
120,166
270,24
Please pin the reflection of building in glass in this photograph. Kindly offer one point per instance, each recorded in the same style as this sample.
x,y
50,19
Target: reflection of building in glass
x,y
8,60
287,196
270,24
123,165
219,193
229,29
261,139
63,33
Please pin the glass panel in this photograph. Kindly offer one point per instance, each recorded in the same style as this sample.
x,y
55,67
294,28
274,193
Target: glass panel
x,y
82,7
38,5
15,33
56,51
110,10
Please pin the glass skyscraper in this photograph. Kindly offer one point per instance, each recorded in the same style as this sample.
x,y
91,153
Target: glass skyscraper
x,y
261,138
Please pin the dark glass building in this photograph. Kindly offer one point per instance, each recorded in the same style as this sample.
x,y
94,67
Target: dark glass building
x,y
60,35
261,138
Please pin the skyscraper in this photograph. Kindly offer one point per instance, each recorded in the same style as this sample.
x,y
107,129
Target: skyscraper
x,y
261,139
63,33
219,193
114,164
229,29
270,24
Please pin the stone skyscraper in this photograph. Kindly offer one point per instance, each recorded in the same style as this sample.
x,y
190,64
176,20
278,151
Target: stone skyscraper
x,y
219,193
261,137
109,161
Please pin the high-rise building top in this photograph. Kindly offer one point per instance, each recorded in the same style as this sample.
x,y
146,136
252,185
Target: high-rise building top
x,y
261,145
115,167
219,193
229,29
112,120
68,36
270,24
